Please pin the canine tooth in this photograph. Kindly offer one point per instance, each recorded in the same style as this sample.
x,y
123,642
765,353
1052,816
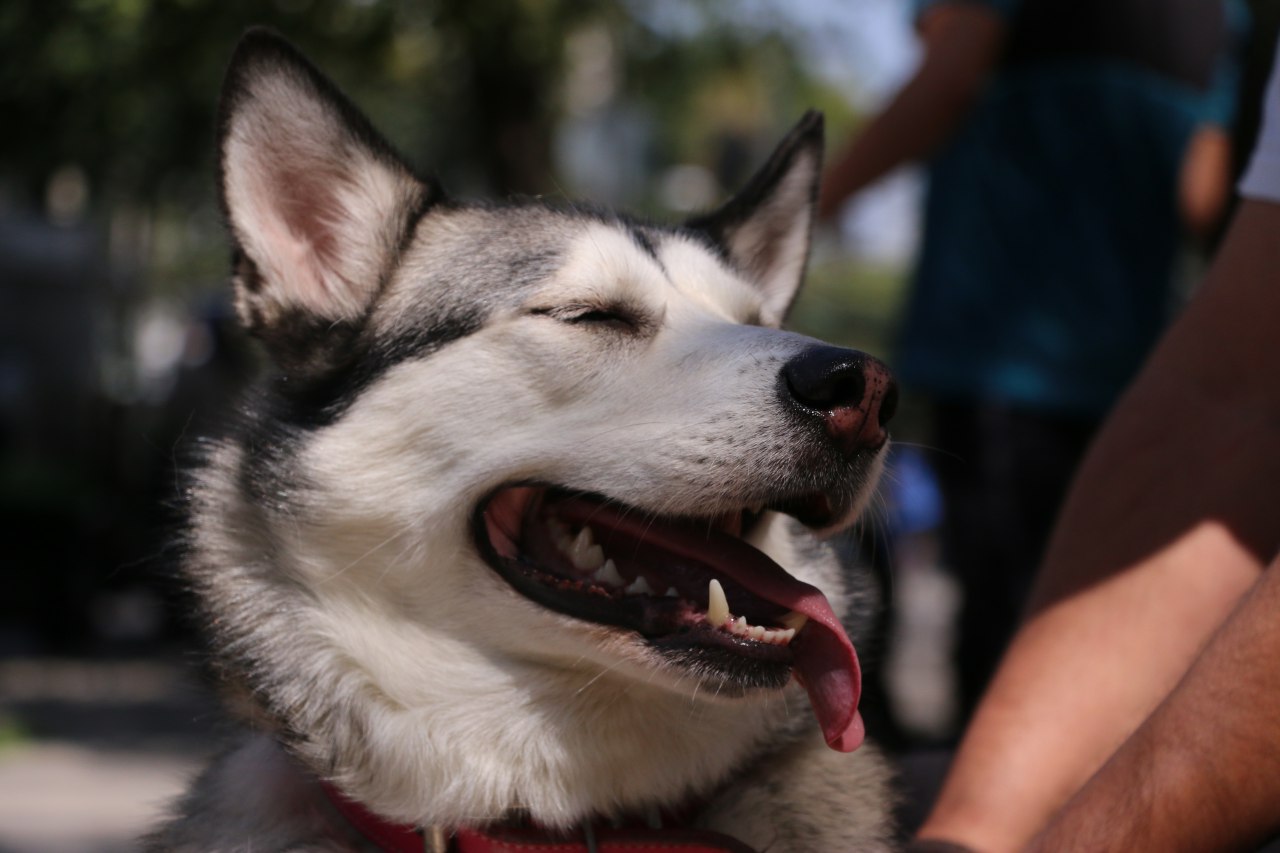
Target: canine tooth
x,y
672,592
793,620
640,586
590,559
756,632
717,604
608,574
584,553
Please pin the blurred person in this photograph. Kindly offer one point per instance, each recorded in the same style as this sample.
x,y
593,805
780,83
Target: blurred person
x,y
1070,143
1139,705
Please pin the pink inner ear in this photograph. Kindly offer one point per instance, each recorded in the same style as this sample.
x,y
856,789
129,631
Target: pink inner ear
x,y
310,208
297,239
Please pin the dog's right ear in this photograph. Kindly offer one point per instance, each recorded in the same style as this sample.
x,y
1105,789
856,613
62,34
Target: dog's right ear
x,y
317,202
764,230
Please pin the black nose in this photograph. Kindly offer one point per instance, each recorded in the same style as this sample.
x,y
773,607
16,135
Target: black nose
x,y
854,394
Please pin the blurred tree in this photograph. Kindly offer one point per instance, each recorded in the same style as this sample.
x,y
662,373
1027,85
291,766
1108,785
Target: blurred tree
x,y
124,89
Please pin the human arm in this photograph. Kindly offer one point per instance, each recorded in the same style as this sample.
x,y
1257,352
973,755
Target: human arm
x,y
1171,519
1201,772
961,42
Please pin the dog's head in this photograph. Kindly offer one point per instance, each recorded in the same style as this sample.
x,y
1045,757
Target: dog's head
x,y
511,449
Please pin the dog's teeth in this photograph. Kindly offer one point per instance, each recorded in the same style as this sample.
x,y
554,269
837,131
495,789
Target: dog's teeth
x,y
793,620
786,636
672,592
590,559
717,604
756,632
584,553
739,625
640,586
608,575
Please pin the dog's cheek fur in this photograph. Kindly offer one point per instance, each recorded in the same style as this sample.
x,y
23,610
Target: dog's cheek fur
x,y
401,686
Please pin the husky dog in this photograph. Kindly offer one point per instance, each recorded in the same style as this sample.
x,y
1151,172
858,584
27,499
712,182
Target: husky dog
x,y
519,536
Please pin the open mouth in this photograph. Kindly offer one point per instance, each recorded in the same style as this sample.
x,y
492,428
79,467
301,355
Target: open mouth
x,y
691,587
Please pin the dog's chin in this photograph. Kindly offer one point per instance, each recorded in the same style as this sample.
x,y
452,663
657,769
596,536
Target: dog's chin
x,y
651,576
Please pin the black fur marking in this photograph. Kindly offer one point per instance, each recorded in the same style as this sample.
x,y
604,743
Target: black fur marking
x,y
315,401
245,271
643,241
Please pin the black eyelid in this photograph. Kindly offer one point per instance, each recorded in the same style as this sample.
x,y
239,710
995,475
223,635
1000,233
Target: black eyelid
x,y
587,314
599,315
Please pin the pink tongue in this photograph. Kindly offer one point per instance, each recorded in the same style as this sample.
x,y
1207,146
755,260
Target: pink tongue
x,y
825,661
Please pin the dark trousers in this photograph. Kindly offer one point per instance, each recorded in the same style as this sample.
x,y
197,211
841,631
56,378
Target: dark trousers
x,y
1003,472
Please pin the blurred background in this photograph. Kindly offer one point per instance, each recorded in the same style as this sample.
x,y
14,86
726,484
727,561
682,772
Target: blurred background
x,y
118,347
117,344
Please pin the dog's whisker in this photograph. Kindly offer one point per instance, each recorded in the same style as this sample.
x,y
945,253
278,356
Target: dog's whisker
x,y
369,553
601,674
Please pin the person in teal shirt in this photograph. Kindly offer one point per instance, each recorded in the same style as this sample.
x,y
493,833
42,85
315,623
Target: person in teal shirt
x,y
1071,145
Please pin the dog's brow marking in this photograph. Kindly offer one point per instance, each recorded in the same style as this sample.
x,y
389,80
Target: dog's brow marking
x,y
642,239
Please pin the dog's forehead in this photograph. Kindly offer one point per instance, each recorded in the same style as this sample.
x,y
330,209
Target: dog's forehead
x,y
482,261
612,262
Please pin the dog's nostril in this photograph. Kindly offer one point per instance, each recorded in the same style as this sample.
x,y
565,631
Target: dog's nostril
x,y
826,377
823,378
841,389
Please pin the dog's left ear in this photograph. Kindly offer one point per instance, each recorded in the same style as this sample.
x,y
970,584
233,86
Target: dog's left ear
x,y
765,229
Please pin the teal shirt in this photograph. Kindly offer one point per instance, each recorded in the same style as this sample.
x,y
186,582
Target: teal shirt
x,y
1050,231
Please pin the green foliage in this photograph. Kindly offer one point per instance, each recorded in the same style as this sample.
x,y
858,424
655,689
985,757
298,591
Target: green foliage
x,y
12,733
125,89
472,90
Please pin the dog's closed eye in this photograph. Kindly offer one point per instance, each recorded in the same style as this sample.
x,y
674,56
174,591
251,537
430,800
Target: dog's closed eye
x,y
621,318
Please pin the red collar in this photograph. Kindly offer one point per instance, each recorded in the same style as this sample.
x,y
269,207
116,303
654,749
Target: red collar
x,y
401,838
